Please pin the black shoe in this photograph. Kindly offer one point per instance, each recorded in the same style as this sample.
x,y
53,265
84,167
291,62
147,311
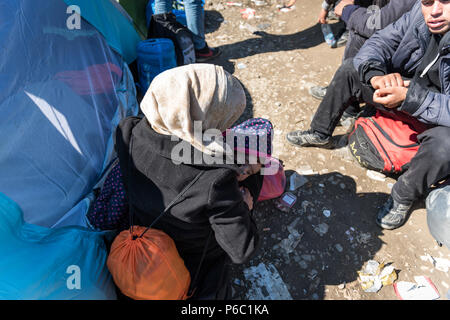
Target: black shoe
x,y
206,54
309,138
393,214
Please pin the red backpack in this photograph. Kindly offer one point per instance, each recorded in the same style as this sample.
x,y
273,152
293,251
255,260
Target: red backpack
x,y
385,142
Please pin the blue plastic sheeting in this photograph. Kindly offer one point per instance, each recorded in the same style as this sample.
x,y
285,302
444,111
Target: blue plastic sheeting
x,y
114,24
51,264
62,93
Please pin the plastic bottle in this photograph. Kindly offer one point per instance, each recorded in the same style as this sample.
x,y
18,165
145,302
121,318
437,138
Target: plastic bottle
x,y
153,57
438,215
328,35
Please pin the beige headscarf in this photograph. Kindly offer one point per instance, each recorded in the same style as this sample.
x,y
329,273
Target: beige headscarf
x,y
196,92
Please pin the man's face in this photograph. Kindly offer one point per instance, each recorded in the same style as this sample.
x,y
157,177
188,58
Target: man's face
x,y
437,15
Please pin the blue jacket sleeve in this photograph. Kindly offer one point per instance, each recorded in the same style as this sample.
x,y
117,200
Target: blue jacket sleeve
x,y
427,106
366,21
377,52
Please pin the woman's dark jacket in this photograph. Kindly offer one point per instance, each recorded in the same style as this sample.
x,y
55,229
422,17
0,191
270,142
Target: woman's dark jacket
x,y
214,202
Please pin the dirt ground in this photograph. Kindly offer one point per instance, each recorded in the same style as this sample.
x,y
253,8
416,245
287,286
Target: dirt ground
x,y
278,56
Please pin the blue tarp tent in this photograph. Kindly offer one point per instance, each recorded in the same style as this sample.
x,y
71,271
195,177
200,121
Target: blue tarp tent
x,y
64,87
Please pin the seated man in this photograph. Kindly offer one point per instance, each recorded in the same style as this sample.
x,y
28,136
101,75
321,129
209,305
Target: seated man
x,y
363,19
416,47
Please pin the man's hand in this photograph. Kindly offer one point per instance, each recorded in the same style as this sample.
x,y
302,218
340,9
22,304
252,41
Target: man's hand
x,y
323,16
387,81
340,7
390,97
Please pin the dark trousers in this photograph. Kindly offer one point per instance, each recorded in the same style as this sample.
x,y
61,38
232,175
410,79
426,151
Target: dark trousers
x,y
354,43
431,163
344,90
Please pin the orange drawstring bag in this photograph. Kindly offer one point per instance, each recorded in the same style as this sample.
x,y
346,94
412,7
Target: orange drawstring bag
x,y
145,263
148,267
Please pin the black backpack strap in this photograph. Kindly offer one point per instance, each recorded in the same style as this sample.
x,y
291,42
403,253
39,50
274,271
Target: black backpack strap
x,y
195,279
174,201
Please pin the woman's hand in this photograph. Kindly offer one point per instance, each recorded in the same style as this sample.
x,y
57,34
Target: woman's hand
x,y
247,170
248,199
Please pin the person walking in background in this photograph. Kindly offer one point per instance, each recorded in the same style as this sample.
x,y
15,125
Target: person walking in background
x,y
195,18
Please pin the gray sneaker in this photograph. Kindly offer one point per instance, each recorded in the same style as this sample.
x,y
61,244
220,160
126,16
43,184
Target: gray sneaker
x,y
342,40
309,138
318,92
332,15
393,214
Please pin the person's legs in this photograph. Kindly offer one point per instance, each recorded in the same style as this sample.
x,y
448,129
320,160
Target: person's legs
x,y
163,6
354,43
195,18
430,165
344,90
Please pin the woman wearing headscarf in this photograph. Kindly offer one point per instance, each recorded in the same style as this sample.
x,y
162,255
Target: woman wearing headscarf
x,y
212,224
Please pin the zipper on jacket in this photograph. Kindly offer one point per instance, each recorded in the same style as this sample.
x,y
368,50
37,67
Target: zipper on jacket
x,y
430,65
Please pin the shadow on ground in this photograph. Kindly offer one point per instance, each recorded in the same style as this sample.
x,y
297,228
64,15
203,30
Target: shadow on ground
x,y
265,42
332,249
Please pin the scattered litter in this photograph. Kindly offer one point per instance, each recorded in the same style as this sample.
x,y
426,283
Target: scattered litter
x,y
248,13
423,289
263,26
303,264
339,247
241,66
363,238
440,264
237,282
305,204
349,234
296,181
266,229
376,275
327,213
234,4
376,175
305,170
294,238
248,27
321,229
312,274
259,3
285,8
266,283
286,202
